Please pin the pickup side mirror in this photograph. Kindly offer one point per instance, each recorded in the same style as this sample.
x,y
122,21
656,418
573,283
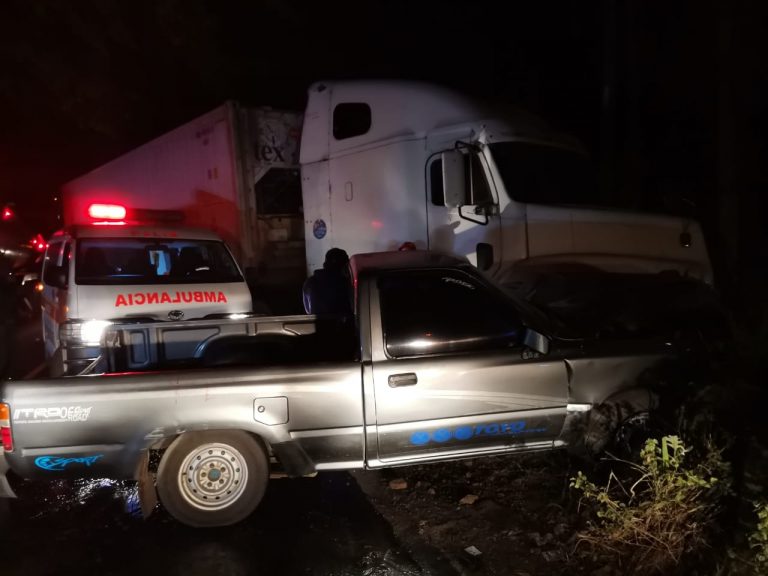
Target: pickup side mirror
x,y
536,341
454,178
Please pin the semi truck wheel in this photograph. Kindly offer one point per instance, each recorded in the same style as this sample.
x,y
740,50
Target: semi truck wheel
x,y
213,478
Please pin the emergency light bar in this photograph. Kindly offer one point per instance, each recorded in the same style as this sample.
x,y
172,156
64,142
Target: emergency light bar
x,y
107,212
117,213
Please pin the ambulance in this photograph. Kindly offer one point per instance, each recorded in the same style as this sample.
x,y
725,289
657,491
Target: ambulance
x,y
119,268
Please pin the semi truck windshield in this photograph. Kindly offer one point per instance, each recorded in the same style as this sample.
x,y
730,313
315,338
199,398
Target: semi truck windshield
x,y
541,174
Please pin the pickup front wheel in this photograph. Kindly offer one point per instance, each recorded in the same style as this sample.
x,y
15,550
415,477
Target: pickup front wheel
x,y
213,478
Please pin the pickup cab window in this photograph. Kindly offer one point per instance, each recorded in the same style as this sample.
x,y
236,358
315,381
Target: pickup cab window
x,y
111,261
439,312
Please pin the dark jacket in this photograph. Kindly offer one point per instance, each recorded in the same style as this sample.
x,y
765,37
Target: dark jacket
x,y
328,291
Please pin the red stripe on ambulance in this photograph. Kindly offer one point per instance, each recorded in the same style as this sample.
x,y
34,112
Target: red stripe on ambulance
x,y
143,298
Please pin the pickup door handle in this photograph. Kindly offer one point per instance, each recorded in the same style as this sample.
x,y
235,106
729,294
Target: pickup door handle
x,y
408,379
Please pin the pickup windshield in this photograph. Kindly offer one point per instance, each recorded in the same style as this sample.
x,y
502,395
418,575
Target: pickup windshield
x,y
541,174
111,261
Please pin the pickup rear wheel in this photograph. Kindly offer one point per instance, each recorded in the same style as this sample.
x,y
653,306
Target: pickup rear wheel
x,y
212,478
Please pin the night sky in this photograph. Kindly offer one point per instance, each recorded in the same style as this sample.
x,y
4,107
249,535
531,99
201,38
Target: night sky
x,y
671,98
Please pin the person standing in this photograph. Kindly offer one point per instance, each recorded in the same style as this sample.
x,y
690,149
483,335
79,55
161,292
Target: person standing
x,y
328,290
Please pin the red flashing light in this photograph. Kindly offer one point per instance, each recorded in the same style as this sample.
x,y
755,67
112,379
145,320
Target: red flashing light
x,y
106,211
39,243
8,213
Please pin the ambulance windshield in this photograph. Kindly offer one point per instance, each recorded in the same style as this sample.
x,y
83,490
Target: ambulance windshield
x,y
113,261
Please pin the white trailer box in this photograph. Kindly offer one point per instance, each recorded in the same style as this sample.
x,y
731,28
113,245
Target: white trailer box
x,y
233,170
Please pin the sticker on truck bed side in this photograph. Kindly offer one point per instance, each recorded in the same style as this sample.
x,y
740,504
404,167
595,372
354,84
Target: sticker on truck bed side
x,y
51,415
143,298
58,463
441,435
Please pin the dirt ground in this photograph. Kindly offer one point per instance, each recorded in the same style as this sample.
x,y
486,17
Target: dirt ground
x,y
516,511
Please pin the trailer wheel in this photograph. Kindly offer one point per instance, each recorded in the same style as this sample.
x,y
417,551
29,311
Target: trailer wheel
x,y
214,478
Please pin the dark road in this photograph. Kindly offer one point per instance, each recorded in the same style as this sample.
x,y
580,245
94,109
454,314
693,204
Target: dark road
x,y
321,525
26,357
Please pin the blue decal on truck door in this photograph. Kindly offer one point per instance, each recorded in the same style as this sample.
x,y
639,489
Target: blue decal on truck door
x,y
442,435
57,463
420,438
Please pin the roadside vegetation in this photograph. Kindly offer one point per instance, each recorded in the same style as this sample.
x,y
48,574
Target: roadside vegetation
x,y
649,517
691,503
673,512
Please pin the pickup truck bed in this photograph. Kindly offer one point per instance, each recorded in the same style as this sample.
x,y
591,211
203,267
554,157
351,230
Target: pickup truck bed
x,y
141,346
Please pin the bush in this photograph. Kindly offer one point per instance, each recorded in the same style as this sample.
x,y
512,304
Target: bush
x,y
758,539
664,511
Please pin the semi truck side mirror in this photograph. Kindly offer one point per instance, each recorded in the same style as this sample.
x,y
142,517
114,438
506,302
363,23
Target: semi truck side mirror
x,y
476,214
454,178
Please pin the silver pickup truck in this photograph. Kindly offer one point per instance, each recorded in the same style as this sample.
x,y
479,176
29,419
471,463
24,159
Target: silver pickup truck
x,y
437,364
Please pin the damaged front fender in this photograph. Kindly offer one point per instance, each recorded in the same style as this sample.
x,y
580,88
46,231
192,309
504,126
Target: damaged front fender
x,y
588,430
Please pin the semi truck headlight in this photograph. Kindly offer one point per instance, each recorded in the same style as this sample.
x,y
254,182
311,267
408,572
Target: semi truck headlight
x,y
86,333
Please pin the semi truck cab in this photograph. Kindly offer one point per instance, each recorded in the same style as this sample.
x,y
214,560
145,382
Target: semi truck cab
x,y
385,163
116,269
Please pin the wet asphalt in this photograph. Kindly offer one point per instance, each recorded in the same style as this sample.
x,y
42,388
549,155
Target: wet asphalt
x,y
319,526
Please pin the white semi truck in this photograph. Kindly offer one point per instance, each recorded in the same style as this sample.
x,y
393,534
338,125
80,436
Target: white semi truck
x,y
371,165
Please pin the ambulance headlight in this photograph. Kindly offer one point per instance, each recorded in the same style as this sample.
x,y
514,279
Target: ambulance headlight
x,y
86,333
92,331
